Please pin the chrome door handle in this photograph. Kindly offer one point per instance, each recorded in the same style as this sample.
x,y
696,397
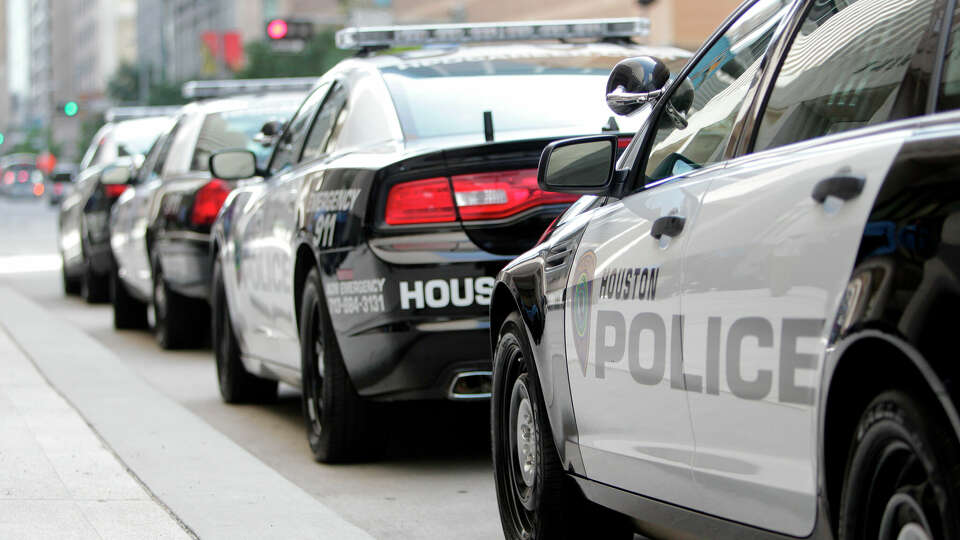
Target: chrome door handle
x,y
667,226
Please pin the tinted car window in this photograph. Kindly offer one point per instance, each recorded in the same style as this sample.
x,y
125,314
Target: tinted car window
x,y
844,68
319,137
153,165
291,141
694,129
950,84
233,129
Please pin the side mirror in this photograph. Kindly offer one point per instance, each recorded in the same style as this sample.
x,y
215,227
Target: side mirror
x,y
583,165
233,164
115,174
634,82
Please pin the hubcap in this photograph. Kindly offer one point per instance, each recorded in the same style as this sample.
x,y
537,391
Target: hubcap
x,y
159,301
524,443
904,518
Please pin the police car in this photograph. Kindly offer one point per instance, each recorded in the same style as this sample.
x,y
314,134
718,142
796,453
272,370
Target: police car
x,y
745,328
160,226
361,269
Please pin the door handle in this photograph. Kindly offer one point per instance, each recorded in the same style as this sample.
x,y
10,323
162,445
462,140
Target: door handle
x,y
842,186
667,225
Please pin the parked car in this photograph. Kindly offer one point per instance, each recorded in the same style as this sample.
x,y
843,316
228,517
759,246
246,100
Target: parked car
x,y
160,228
20,176
743,331
60,182
361,269
115,152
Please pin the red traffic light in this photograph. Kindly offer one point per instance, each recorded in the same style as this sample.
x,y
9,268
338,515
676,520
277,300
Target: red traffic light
x,y
277,29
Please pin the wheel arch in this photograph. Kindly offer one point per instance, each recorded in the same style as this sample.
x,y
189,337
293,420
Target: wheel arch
x,y
305,261
850,385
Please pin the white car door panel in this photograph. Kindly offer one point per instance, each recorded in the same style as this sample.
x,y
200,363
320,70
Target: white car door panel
x,y
763,274
623,343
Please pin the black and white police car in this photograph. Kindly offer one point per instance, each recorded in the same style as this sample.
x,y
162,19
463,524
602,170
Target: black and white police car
x,y
747,331
361,269
160,226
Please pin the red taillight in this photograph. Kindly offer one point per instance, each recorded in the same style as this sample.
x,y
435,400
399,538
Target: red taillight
x,y
623,142
208,200
420,201
22,177
114,190
497,195
38,189
8,177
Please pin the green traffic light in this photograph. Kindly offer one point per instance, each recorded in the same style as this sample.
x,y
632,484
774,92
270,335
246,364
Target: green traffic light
x,y
70,108
1,138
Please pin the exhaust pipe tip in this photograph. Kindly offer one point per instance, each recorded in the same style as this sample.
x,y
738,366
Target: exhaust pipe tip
x,y
471,385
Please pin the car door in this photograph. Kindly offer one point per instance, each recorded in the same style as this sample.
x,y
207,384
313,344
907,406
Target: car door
x,y
774,246
624,343
266,270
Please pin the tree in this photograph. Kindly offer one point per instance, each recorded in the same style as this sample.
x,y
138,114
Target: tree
x,y
124,87
319,55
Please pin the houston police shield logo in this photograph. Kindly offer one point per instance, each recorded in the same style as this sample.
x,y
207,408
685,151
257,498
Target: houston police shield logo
x,y
582,297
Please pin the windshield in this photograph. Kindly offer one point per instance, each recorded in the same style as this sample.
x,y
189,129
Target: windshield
x,y
533,95
236,129
134,137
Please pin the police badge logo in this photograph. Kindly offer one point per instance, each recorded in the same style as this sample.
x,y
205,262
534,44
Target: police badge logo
x,y
582,298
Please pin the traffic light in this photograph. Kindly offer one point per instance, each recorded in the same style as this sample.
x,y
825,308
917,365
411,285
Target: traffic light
x,y
2,138
71,108
289,30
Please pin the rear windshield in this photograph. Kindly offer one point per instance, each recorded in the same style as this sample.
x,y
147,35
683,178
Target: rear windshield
x,y
236,129
135,137
565,95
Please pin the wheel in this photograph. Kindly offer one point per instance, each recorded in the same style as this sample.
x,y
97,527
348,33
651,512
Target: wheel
x,y
71,285
94,288
902,476
179,322
128,312
340,425
237,385
537,499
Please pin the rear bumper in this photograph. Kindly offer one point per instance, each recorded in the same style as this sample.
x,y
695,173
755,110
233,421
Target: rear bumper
x,y
185,260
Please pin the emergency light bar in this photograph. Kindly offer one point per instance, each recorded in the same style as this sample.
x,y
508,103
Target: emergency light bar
x,y
116,114
382,37
233,87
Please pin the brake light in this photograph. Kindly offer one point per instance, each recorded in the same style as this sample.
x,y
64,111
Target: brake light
x,y
497,195
208,200
420,201
114,190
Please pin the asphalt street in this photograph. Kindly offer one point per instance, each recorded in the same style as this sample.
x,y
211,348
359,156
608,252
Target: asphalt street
x,y
435,478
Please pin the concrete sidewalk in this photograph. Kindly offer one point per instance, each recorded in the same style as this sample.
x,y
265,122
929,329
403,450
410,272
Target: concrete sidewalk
x,y
57,479
53,484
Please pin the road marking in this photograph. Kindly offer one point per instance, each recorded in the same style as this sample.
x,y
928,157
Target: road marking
x,y
23,264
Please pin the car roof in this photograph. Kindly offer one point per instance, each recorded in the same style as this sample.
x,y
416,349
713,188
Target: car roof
x,y
439,55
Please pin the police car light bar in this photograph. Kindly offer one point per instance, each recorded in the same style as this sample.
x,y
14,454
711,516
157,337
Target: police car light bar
x,y
381,37
233,87
116,114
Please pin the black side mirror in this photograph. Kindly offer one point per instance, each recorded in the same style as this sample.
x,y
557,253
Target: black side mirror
x,y
634,82
583,165
233,164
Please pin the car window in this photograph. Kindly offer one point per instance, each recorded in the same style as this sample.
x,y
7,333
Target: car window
x,y
158,155
291,141
233,129
319,138
950,83
844,69
695,127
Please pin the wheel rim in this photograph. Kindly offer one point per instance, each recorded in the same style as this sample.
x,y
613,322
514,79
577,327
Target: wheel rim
x,y
314,392
159,303
902,503
517,417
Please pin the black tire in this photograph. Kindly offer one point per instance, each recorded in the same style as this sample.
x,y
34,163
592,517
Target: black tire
x,y
128,312
179,322
94,287
902,472
71,285
340,425
237,385
537,499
